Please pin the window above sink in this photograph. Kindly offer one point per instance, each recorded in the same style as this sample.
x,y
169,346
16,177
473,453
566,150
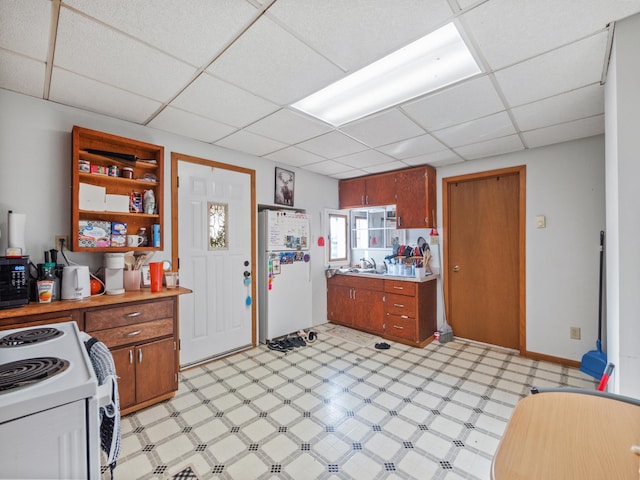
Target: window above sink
x,y
374,228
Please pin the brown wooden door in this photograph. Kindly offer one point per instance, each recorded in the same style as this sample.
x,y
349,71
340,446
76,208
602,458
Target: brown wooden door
x,y
155,369
126,371
484,260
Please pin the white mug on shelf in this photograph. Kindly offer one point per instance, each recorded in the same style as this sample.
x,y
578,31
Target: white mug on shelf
x,y
134,240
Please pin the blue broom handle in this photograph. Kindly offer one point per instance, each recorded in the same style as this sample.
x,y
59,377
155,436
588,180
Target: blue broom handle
x,y
600,289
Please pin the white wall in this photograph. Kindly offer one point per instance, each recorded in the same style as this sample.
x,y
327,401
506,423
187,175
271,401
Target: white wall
x,y
565,182
622,104
35,177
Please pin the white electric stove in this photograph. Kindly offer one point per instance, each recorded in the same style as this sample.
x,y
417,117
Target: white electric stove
x,y
48,404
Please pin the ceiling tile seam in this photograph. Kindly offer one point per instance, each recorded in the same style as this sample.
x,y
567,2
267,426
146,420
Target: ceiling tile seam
x,y
586,85
155,100
22,55
53,35
202,69
563,123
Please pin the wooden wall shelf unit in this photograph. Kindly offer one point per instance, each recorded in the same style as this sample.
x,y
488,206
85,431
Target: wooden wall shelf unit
x,y
150,159
139,327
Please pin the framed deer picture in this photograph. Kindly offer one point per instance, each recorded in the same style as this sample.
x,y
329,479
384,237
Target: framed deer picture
x,y
284,187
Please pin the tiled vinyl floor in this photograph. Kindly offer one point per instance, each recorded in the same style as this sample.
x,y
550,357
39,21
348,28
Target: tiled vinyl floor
x,y
335,410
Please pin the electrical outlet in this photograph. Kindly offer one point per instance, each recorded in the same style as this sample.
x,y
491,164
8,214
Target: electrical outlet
x,y
64,238
574,333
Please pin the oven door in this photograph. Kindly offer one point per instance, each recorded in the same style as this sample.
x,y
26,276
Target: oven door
x,y
62,442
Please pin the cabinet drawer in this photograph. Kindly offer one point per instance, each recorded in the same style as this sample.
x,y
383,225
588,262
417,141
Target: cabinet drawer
x,y
135,334
354,281
400,287
397,326
127,315
400,305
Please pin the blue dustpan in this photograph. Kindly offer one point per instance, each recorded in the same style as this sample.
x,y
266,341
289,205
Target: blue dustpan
x,y
594,362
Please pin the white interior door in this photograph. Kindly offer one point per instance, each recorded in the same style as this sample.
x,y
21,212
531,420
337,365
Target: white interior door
x,y
216,318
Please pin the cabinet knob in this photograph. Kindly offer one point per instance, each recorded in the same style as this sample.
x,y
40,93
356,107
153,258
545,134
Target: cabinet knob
x,y
133,334
456,268
398,305
134,314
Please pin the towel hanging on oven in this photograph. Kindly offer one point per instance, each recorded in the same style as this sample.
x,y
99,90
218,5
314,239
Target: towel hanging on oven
x,y
105,369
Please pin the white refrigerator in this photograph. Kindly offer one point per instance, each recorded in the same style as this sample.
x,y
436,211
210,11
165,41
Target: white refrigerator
x,y
284,274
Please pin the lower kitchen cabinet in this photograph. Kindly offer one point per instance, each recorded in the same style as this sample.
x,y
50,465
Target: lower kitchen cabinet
x,y
399,310
141,339
139,328
356,302
145,372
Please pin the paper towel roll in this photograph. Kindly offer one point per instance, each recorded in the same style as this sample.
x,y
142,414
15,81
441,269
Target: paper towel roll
x,y
17,227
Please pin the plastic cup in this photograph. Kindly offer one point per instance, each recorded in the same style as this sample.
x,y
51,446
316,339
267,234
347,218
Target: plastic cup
x,y
171,279
131,280
155,271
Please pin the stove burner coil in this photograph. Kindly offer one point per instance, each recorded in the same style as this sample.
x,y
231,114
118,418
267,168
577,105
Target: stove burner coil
x,y
26,337
30,370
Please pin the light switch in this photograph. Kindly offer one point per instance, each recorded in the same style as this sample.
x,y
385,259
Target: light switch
x,y
541,221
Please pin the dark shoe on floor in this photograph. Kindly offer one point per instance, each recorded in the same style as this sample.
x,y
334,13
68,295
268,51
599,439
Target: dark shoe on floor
x,y
300,341
276,346
383,346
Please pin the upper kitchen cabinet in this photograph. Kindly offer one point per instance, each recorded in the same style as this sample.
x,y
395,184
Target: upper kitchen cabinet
x,y
416,197
116,190
374,190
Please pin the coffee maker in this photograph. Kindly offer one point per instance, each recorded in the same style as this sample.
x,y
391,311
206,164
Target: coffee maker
x,y
113,273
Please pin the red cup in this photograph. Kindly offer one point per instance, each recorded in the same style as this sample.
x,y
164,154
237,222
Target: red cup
x,y
155,269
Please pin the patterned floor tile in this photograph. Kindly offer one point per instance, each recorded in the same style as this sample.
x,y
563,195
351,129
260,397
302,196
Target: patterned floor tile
x,y
337,410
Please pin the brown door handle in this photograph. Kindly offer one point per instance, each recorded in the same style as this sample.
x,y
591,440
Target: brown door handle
x,y
456,268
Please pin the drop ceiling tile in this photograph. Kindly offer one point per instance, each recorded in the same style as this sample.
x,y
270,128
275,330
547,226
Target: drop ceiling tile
x,y
21,74
221,101
486,128
559,71
331,145
289,127
349,174
509,31
412,147
192,31
328,167
116,59
461,103
25,27
465,4
385,167
189,125
443,157
489,148
272,63
573,105
585,127
71,89
358,32
294,156
365,159
250,143
383,128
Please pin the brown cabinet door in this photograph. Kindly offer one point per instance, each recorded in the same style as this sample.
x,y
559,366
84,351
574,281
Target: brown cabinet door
x,y
155,369
351,192
339,304
123,358
416,197
381,189
369,310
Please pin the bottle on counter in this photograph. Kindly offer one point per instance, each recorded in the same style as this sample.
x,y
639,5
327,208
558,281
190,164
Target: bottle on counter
x,y
48,285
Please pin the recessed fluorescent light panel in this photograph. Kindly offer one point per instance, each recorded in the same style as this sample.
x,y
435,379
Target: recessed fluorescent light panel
x,y
432,62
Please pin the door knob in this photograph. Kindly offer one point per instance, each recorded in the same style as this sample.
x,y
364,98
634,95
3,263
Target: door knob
x,y
456,268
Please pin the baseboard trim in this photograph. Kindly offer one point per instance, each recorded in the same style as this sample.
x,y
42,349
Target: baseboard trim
x,y
551,358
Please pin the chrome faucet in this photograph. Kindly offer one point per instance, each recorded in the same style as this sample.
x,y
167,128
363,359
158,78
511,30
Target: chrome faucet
x,y
368,263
